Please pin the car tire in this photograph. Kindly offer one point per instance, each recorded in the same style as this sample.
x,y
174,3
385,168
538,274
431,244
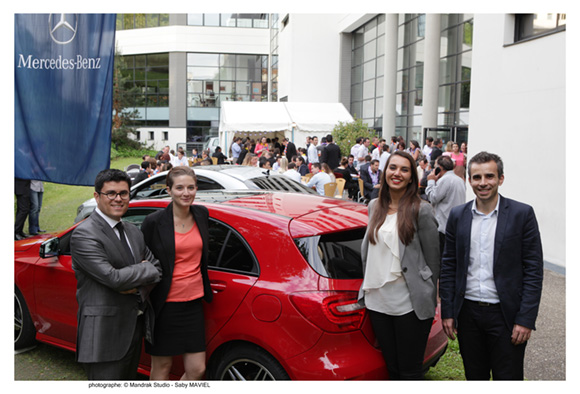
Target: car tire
x,y
247,362
24,332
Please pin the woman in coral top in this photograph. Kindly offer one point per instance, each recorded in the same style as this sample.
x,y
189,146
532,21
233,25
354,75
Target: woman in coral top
x,y
179,237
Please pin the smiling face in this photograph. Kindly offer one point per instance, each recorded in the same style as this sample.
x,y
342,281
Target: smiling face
x,y
485,181
183,190
115,208
398,173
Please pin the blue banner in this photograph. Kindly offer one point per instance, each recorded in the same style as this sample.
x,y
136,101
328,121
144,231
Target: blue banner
x,y
63,95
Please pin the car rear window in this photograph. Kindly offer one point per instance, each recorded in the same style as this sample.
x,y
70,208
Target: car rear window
x,y
336,255
279,183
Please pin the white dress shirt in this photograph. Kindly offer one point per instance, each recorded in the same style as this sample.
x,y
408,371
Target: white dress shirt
x,y
480,284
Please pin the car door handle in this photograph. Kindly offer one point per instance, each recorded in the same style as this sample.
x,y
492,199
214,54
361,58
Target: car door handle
x,y
218,287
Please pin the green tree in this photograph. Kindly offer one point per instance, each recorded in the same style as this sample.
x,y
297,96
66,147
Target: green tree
x,y
345,134
124,112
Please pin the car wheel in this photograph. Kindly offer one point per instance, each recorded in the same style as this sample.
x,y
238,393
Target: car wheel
x,y
247,362
24,332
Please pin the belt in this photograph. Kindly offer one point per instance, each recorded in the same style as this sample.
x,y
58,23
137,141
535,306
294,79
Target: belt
x,y
482,303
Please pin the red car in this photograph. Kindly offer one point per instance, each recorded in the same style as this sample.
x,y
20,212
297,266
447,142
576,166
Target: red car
x,y
285,271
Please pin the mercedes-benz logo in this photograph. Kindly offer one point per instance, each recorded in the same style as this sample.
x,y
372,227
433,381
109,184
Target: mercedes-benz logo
x,y
62,27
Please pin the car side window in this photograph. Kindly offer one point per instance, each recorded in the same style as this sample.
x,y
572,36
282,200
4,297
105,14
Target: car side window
x,y
153,188
228,251
136,216
204,183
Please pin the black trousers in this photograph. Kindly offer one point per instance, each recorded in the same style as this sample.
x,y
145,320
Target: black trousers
x,y
485,344
403,340
125,368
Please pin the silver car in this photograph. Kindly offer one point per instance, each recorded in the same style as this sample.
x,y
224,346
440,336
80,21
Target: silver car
x,y
211,178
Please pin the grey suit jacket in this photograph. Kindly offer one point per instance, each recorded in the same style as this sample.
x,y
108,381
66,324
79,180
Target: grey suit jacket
x,y
420,261
107,318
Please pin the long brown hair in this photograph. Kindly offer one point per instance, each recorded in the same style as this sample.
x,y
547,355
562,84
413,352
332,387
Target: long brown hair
x,y
408,205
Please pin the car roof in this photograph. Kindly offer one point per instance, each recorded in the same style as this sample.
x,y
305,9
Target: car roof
x,y
308,214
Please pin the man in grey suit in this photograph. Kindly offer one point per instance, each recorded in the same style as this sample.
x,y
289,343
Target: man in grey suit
x,y
115,273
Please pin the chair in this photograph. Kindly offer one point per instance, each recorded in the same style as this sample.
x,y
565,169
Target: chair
x,y
340,182
330,189
308,176
361,193
214,160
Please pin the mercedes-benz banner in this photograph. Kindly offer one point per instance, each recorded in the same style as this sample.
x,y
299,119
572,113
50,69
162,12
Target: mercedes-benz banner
x,y
63,95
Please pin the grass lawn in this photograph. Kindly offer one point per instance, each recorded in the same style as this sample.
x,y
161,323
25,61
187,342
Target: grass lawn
x,y
450,366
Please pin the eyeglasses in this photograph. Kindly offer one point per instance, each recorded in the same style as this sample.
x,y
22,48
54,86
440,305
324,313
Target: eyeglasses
x,y
113,195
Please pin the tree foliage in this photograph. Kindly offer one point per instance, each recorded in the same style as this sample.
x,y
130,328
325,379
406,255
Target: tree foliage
x,y
124,113
345,134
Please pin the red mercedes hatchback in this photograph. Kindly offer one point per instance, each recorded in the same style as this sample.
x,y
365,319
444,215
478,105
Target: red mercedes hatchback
x,y
285,271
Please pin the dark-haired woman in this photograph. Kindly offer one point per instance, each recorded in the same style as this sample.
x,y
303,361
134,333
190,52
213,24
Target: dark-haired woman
x,y
178,236
401,264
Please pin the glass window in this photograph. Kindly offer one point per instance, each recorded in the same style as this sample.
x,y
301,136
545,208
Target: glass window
x,y
202,59
533,25
228,251
335,256
136,216
211,19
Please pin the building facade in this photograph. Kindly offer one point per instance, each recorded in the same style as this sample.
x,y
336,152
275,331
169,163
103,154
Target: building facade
x,y
495,81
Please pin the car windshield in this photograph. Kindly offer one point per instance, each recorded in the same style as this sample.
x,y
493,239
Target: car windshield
x,y
336,255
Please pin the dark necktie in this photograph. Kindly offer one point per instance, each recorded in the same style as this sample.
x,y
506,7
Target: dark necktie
x,y
124,242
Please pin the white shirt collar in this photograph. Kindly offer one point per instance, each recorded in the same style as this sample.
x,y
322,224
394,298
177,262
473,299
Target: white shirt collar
x,y
111,222
474,207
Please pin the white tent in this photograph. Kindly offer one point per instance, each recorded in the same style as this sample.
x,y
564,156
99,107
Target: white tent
x,y
280,119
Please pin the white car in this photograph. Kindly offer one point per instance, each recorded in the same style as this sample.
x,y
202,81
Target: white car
x,y
211,178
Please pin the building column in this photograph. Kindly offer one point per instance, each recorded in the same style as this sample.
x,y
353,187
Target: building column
x,y
390,75
177,89
431,71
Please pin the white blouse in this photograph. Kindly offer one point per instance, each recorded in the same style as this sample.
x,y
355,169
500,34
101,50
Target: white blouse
x,y
384,285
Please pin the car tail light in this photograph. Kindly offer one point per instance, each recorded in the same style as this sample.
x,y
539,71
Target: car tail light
x,y
331,311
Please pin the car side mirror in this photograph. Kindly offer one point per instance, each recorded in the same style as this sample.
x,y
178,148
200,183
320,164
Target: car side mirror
x,y
49,248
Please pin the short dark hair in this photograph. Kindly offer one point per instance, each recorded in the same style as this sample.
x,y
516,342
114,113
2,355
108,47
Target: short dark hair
x,y
445,162
262,161
429,138
317,165
291,165
145,164
179,171
329,138
300,158
111,175
486,157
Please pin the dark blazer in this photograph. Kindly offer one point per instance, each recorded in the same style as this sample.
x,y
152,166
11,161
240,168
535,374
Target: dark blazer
x,y
291,151
420,261
141,176
107,318
517,262
370,191
331,155
159,235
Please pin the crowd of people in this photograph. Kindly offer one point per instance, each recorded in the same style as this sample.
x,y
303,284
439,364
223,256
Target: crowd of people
x,y
423,241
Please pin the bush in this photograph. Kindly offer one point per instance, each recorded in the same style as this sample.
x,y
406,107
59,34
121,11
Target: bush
x,y
345,134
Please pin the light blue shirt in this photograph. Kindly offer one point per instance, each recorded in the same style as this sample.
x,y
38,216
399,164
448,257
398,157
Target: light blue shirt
x,y
236,150
480,284
318,181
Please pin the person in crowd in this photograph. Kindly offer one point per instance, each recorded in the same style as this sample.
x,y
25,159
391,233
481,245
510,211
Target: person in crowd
x,y
159,167
352,166
246,147
289,148
371,177
194,154
423,170
165,156
114,270
428,147
250,160
401,145
349,183
459,159
463,148
448,148
264,163
166,167
363,151
236,149
319,179
436,151
364,165
304,153
374,145
324,167
261,147
179,237
378,150
283,165
415,150
313,152
22,192
331,153
221,158
354,150
445,190
308,141
401,264
394,144
36,194
384,156
144,173
301,166
292,173
491,276
180,159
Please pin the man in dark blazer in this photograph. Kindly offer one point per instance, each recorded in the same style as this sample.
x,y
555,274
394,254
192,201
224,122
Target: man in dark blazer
x,y
290,149
491,276
115,273
331,153
146,170
371,188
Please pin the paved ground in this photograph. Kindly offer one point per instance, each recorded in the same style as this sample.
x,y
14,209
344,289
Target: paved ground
x,y
545,354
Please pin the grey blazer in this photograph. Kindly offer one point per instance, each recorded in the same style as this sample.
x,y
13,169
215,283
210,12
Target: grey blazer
x,y
107,318
420,262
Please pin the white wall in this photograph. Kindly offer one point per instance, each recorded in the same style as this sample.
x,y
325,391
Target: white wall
x,y
518,111
309,58
175,135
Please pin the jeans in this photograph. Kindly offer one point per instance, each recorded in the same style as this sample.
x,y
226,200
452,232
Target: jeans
x,y
35,205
